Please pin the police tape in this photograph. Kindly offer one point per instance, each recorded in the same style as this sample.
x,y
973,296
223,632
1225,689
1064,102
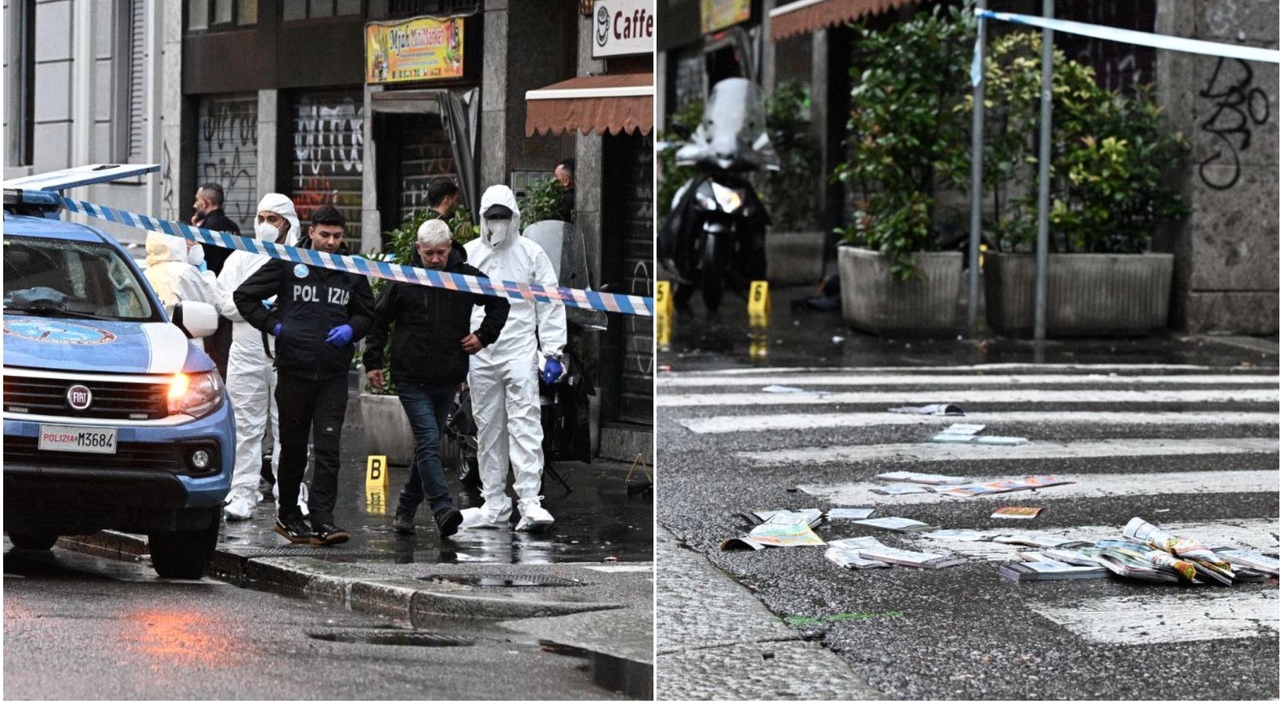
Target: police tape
x,y
573,297
1129,36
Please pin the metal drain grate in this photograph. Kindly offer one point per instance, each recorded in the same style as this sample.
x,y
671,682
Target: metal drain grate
x,y
502,580
315,551
384,637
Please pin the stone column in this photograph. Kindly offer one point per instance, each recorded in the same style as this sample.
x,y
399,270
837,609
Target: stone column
x,y
268,138
1228,259
493,96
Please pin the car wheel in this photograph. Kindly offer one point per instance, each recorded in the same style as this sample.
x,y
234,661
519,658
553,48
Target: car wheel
x,y
33,541
184,554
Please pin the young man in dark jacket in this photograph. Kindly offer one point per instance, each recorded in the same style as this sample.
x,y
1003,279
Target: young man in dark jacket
x,y
430,353
318,316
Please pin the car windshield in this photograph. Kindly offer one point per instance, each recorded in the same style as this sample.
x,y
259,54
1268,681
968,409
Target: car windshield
x,y
52,278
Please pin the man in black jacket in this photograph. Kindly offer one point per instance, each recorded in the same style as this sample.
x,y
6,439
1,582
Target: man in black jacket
x,y
430,353
207,212
319,315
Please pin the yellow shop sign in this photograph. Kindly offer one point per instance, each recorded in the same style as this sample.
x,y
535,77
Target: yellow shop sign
x,y
413,50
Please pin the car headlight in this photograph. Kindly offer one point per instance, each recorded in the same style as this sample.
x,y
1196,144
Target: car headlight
x,y
196,394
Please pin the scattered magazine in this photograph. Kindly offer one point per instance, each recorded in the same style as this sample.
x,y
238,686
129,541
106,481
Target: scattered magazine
x,y
900,489
1145,563
1146,533
925,478
1080,557
850,512
1027,538
1033,482
870,549
958,535
774,533
786,389
812,517
845,558
1016,513
1252,560
939,409
1050,570
964,429
896,524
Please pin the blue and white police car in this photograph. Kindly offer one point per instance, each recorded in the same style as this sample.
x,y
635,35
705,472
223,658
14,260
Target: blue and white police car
x,y
113,418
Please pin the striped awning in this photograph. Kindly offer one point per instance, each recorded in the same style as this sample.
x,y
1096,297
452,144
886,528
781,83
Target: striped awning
x,y
807,16
604,104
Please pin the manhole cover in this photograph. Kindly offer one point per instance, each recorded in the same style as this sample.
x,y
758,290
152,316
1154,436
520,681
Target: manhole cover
x,y
502,580
383,637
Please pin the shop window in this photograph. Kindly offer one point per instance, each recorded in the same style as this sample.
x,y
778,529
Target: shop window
x,y
411,8
319,9
221,14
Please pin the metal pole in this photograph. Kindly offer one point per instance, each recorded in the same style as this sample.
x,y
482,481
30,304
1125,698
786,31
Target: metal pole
x,y
1042,203
975,207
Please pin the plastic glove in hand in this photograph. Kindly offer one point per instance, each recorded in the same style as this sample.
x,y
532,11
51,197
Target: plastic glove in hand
x,y
552,371
340,335
275,331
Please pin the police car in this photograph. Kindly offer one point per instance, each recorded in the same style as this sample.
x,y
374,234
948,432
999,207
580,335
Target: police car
x,y
113,419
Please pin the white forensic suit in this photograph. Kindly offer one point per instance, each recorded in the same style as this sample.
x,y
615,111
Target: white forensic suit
x,y
172,270
251,376
504,375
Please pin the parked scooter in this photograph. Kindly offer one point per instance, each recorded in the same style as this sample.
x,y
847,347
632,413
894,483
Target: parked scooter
x,y
714,236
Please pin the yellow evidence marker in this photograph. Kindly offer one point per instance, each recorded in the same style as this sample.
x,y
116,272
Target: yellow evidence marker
x,y
376,474
758,304
662,312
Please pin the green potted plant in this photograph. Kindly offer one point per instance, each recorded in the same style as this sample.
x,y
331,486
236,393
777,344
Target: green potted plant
x,y
387,430
795,241
906,144
541,201
1108,194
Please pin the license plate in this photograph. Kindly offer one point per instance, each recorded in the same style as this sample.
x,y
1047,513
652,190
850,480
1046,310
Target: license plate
x,y
79,439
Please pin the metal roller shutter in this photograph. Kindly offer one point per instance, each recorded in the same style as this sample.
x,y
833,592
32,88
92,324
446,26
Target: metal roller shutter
x,y
327,164
227,153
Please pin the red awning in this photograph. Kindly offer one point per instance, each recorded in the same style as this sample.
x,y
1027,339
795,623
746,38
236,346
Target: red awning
x,y
810,15
604,104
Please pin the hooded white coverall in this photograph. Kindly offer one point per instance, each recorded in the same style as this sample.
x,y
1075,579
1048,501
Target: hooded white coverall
x,y
173,275
251,377
504,375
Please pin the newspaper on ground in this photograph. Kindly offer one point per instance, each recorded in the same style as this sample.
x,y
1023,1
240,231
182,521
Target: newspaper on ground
x,y
774,533
896,524
904,489
906,476
1081,556
812,517
958,535
1016,512
870,549
1252,560
1033,482
1050,570
1038,540
1146,563
787,389
1144,532
845,558
938,409
964,429
850,512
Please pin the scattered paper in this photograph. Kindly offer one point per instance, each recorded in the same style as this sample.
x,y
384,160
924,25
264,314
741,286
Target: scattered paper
x,y
925,478
1033,482
870,549
958,535
939,409
1050,570
896,524
899,489
1016,512
787,389
945,438
812,517
1029,538
1252,560
850,512
774,533
851,560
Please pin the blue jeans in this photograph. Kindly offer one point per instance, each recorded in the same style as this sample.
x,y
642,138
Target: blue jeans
x,y
427,407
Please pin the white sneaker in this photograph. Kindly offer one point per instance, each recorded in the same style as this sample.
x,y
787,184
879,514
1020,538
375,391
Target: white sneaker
x,y
533,517
238,509
485,518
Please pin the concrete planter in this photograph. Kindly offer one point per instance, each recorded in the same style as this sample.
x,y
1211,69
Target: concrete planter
x,y
386,428
795,258
1088,294
874,301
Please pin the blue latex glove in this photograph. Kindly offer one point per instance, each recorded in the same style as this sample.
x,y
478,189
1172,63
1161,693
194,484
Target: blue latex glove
x,y
275,331
552,371
340,335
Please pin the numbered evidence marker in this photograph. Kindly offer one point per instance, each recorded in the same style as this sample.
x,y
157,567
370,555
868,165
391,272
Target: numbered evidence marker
x,y
662,310
758,305
375,485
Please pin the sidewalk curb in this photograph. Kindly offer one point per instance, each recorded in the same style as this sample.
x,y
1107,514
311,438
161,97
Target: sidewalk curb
x,y
403,598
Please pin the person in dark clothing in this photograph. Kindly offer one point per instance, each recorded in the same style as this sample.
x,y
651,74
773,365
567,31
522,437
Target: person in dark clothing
x,y
318,316
430,354
442,198
207,213
564,173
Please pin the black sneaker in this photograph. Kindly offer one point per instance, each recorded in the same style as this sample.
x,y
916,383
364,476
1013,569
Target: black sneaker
x,y
329,535
295,529
448,521
403,523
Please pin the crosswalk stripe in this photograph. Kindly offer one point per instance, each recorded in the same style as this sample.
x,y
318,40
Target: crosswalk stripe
x,y
951,370
925,451
860,379
742,399
792,422
1085,486
1258,534
1170,616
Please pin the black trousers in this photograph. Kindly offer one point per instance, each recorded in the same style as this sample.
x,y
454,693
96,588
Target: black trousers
x,y
316,408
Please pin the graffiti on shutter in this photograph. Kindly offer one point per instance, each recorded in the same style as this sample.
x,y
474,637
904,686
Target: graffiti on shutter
x,y
328,156
425,155
227,153
637,230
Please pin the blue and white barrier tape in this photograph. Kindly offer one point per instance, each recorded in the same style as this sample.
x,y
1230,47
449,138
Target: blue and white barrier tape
x,y
1128,36
573,297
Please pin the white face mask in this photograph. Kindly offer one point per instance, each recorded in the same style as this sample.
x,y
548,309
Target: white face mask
x,y
195,255
266,232
497,231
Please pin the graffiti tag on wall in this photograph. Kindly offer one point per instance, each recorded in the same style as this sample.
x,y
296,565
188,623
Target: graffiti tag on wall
x,y
227,131
1238,107
329,139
